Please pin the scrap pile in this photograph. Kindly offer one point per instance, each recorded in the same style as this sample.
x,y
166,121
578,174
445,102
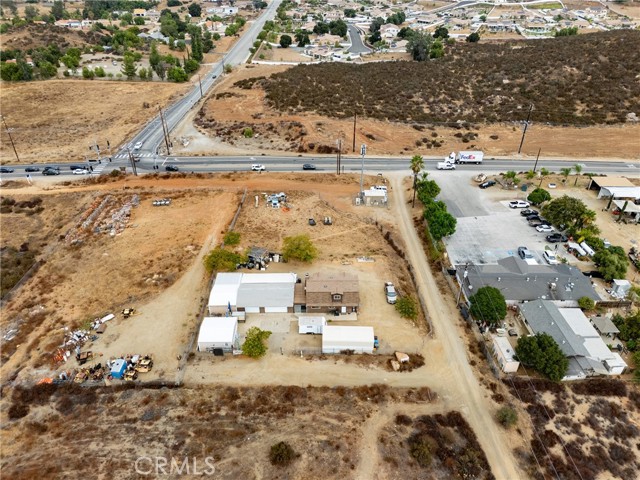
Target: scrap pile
x,y
277,200
127,367
105,215
94,373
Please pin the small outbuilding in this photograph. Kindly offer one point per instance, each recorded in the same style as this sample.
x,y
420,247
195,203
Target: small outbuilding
x,y
505,355
337,339
118,368
311,325
218,333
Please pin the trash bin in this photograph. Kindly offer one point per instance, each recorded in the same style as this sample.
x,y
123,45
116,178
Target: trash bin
x,y
524,187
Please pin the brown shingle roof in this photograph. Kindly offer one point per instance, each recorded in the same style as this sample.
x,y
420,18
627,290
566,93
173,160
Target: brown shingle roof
x,y
341,282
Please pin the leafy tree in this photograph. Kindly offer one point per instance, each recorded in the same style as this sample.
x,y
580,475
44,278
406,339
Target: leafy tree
x,y
510,176
128,67
281,454
538,196
420,449
397,18
507,416
375,24
488,305
195,10
427,190
543,173
174,3
71,62
441,32
407,307
566,32
405,32
437,49
586,303
321,28
207,42
541,352
473,38
177,74
47,70
227,68
565,172
419,46
349,13
221,260
232,238
57,9
338,27
259,4
442,224
432,207
191,65
612,263
87,73
30,13
636,372
139,21
568,211
417,164
578,168
530,174
299,247
285,41
253,345
302,37
15,72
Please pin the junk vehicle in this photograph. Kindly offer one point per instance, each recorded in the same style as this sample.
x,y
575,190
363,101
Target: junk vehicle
x,y
470,157
481,177
127,312
145,364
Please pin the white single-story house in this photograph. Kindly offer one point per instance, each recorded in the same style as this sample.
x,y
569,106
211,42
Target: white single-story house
x,y
375,198
311,325
336,339
218,332
505,355
252,293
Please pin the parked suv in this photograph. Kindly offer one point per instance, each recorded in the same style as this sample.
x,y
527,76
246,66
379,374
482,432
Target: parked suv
x,y
390,292
519,204
524,253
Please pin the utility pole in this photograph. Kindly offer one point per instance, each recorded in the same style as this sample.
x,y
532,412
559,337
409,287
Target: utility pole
x,y
355,116
526,125
464,276
10,138
363,151
95,142
133,162
536,164
164,131
339,156
109,148
200,83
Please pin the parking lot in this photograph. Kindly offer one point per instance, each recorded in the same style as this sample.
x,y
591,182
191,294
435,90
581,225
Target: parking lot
x,y
487,228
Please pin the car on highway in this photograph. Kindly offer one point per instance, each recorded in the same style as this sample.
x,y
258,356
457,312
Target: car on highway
x,y
445,166
550,257
390,293
76,167
80,171
171,168
6,170
50,171
519,204
544,228
308,166
32,169
487,184
258,167
527,211
137,146
524,253
556,238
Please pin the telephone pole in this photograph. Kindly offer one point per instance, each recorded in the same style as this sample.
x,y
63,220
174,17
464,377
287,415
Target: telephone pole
x,y
200,83
133,162
536,164
10,138
339,156
363,151
355,116
164,131
526,125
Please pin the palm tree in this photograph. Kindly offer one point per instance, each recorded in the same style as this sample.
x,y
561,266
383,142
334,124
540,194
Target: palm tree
x,y
417,164
510,177
530,174
565,172
543,173
578,168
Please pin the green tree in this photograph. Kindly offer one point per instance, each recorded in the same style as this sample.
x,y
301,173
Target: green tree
x,y
254,345
568,211
566,32
207,42
417,164
530,174
57,10
30,13
195,10
437,49
191,65
473,38
636,371
221,260
510,176
542,353
232,238
488,305
349,13
507,416
578,168
338,27
419,46
612,263
441,32
285,41
177,74
71,62
281,454
442,224
405,32
427,189
300,248
543,173
538,196
87,73
47,70
407,307
128,67
586,303
321,28
565,172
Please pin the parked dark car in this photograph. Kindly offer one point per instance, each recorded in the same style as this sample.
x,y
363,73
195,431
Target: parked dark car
x,y
32,169
556,238
308,166
487,184
6,170
527,212
171,168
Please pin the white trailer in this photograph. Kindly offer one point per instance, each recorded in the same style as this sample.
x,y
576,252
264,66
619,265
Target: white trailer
x,y
470,157
336,339
311,325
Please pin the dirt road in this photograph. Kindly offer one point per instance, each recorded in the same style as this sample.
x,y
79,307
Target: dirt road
x,y
462,383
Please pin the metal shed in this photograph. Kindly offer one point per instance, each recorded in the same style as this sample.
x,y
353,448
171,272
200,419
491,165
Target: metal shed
x,y
218,332
336,339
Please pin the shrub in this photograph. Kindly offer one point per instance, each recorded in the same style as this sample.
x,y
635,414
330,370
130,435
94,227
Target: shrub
x,y
586,303
232,238
507,417
221,260
420,450
299,247
407,307
488,305
18,410
248,132
538,196
253,345
281,454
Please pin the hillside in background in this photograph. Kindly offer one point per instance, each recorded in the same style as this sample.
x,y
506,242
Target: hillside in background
x,y
580,80
33,36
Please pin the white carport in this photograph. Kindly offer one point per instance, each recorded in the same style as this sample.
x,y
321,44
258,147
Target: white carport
x,y
336,339
218,332
224,293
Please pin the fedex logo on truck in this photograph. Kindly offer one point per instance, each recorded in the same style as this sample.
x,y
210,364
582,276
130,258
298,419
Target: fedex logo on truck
x,y
467,156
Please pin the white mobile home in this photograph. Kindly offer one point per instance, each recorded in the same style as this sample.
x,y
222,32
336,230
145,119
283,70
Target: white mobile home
x,y
336,339
218,333
504,353
311,325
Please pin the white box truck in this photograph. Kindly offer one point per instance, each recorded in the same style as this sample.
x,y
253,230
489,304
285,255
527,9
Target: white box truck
x,y
470,157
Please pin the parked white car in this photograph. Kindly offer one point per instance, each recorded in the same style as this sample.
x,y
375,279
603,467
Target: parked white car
x,y
258,167
550,257
519,204
544,228
390,292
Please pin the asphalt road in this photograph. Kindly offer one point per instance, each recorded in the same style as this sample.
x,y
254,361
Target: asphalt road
x,y
357,46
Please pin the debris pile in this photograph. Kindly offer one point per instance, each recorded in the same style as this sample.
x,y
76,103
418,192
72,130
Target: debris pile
x,y
105,215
